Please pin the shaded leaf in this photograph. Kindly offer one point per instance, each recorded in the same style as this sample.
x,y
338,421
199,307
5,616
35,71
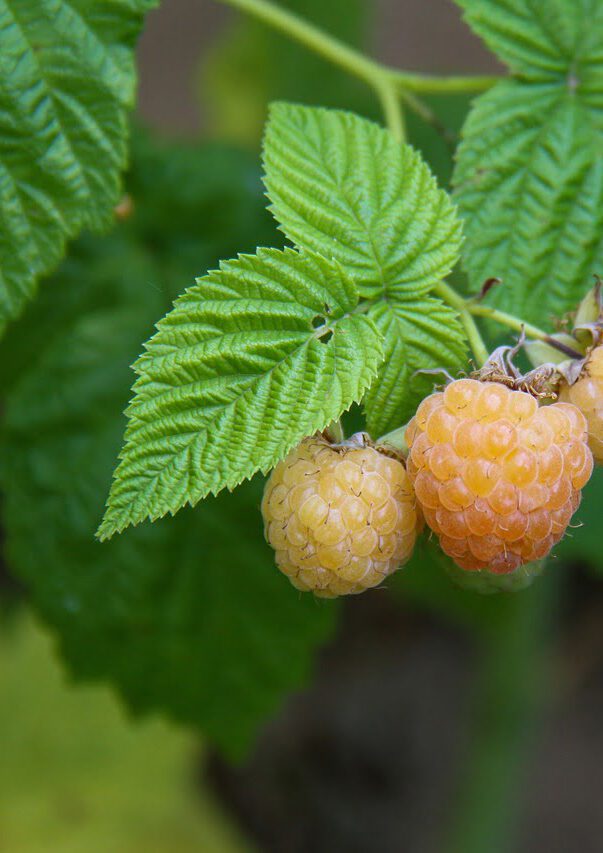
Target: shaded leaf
x,y
68,78
188,615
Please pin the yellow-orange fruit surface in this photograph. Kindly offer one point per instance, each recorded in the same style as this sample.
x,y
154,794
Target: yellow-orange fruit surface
x,y
587,395
340,519
497,477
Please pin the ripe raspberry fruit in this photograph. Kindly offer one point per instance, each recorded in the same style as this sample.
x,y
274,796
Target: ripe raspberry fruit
x,y
341,519
497,478
587,395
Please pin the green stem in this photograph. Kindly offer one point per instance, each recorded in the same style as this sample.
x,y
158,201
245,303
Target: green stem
x,y
335,432
469,307
427,84
479,310
455,300
374,73
297,28
425,112
510,694
392,111
505,319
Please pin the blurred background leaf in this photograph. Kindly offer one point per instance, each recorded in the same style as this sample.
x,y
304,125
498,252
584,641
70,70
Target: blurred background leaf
x,y
68,81
189,614
76,775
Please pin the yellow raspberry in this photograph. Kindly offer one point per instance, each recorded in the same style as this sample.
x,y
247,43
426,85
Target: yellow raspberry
x,y
341,519
587,395
497,478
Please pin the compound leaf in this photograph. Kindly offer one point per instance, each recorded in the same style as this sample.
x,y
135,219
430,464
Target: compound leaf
x,y
343,187
421,335
529,177
253,358
67,72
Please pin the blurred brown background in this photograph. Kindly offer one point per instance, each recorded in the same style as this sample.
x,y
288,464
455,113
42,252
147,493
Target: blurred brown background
x,y
422,35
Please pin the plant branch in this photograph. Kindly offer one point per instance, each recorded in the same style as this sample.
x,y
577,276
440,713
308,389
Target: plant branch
x,y
312,37
455,300
427,84
381,77
468,308
531,331
392,111
505,319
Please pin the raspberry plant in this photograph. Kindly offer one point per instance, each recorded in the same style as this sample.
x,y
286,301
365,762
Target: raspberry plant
x,y
337,322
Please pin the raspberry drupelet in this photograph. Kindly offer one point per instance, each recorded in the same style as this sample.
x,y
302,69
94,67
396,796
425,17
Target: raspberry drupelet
x,y
497,477
587,395
341,519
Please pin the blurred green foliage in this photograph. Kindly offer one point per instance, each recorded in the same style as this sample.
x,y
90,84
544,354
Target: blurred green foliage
x,y
251,65
67,83
76,775
188,614
583,539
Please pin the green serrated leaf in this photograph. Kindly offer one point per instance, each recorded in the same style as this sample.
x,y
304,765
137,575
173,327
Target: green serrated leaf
x,y
193,203
529,177
537,40
253,358
68,78
188,615
420,335
343,187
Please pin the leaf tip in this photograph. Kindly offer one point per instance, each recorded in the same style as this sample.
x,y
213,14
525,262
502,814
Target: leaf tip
x,y
106,529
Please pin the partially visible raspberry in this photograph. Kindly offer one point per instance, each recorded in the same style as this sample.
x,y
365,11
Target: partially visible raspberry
x,y
587,395
497,478
341,519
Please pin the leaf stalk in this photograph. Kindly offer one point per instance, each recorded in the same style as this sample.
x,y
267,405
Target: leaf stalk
x,y
509,320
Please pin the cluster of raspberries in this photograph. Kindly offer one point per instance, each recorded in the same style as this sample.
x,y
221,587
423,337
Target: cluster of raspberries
x,y
494,474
